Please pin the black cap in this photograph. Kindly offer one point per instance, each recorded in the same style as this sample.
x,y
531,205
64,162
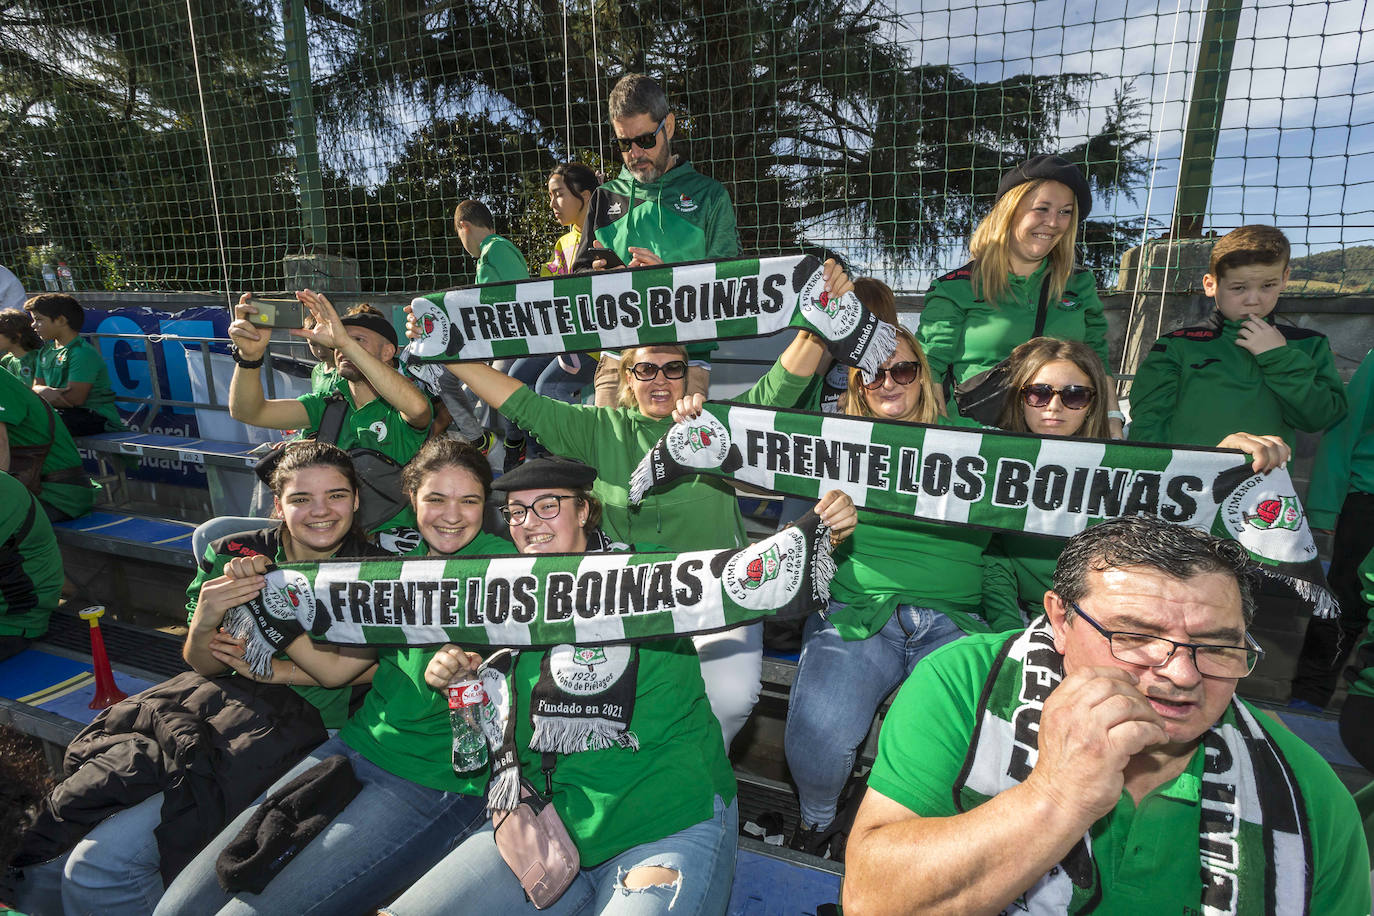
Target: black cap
x,y
378,324
563,473
1052,168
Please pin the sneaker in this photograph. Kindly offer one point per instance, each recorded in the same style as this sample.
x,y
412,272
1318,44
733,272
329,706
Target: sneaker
x,y
514,457
485,442
813,840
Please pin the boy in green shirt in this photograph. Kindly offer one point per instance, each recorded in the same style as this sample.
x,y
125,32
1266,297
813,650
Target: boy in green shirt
x,y
498,260
70,374
30,571
1242,368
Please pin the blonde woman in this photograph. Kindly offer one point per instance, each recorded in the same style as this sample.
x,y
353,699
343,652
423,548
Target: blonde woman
x,y
976,315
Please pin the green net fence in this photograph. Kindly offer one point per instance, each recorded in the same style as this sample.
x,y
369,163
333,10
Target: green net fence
x,y
225,145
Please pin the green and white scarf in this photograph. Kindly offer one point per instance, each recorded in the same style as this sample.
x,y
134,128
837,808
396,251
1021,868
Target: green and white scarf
x,y
679,303
536,601
997,480
1255,853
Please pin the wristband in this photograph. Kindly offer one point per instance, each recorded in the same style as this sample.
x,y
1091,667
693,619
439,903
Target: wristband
x,y
245,363
1116,415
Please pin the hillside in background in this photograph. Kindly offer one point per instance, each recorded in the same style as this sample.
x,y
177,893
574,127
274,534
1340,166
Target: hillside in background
x,y
1341,270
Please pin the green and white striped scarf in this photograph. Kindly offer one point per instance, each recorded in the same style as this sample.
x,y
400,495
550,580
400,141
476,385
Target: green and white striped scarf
x,y
997,480
536,601
679,303
1255,853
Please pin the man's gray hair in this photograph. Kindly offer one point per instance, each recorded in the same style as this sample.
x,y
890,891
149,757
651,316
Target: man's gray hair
x,y
637,94
1148,542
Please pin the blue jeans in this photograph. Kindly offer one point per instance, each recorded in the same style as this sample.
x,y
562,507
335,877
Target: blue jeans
x,y
114,869
475,879
838,687
386,838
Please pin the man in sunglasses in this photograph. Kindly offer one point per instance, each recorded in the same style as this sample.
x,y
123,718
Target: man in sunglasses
x,y
658,210
1099,761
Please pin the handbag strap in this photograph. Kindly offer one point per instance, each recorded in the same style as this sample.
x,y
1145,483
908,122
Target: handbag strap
x,y
1041,310
331,423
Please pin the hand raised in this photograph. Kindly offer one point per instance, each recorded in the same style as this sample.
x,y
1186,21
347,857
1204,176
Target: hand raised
x,y
1259,336
450,663
688,408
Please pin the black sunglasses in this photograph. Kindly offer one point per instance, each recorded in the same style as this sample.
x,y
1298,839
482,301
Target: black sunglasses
x,y
647,372
903,373
1074,397
643,141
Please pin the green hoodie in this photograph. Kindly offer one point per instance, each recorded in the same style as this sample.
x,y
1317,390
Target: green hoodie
x,y
1196,386
1345,459
682,216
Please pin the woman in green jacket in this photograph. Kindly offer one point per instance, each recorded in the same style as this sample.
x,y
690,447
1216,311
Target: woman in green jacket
x,y
975,316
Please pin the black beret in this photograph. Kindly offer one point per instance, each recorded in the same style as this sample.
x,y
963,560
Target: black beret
x,y
563,473
378,324
1053,168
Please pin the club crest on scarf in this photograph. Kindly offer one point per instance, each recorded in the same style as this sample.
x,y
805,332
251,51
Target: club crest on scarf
x,y
436,331
702,443
835,317
1264,521
588,670
768,572
290,599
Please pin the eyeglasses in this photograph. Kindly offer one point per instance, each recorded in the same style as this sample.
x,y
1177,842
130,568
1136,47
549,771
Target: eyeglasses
x,y
1156,651
546,507
903,373
643,141
647,372
1074,397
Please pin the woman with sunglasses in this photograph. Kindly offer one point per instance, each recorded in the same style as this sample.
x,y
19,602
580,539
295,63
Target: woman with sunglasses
x,y
693,513
976,315
655,817
902,588
412,807
1055,389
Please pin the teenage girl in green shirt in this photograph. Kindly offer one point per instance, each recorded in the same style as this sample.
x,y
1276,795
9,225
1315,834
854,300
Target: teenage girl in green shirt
x,y
413,807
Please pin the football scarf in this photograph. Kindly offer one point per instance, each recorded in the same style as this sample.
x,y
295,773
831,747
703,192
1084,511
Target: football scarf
x,y
1254,848
1002,481
680,303
536,601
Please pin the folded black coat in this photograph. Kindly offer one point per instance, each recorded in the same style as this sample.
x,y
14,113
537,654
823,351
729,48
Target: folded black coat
x,y
210,746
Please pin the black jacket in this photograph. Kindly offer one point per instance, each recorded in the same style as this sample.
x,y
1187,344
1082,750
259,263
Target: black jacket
x,y
210,745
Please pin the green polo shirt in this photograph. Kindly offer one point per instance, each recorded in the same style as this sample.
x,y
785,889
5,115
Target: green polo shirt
x,y
499,261
21,367
30,563
25,419
79,362
1147,853
377,426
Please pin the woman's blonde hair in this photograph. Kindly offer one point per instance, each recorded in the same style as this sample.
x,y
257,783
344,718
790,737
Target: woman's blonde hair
x,y
991,247
1025,364
625,395
855,404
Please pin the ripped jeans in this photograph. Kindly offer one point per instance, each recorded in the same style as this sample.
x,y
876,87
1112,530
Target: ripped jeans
x,y
473,878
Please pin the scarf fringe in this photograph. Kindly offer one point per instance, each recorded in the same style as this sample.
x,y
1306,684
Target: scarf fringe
x,y
257,652
1324,604
641,480
569,736
503,794
878,351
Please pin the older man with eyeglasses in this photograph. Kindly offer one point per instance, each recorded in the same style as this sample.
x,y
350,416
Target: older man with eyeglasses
x,y
1099,760
659,210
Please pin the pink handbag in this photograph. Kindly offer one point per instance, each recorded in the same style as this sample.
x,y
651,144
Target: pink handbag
x,y
536,845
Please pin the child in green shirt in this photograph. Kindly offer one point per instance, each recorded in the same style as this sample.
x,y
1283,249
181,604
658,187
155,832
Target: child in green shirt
x,y
70,374
1198,384
19,345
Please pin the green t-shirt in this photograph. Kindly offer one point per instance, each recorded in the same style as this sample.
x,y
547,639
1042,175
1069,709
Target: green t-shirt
x,y
499,261
79,362
1345,458
1196,387
1032,560
21,367
25,418
403,725
1147,854
1360,673
971,335
614,799
377,426
324,379
30,563
332,702
696,512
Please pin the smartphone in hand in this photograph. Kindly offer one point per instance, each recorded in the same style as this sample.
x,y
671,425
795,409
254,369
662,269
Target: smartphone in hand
x,y
276,313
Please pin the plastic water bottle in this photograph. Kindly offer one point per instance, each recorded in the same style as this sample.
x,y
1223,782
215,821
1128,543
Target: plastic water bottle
x,y
65,278
465,699
50,278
